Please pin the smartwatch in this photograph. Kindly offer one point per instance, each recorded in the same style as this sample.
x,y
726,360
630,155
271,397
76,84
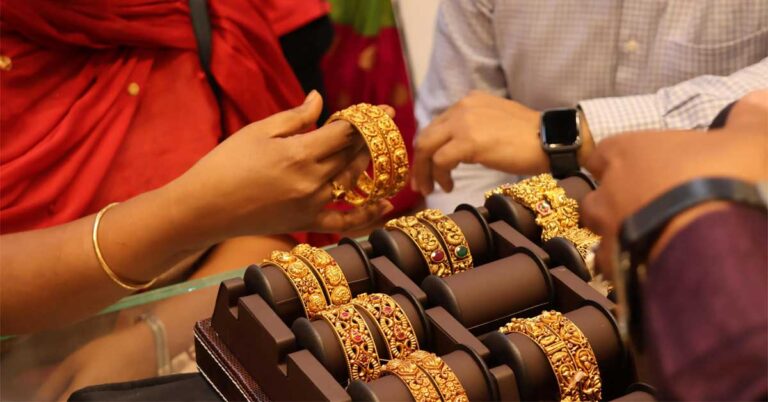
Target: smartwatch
x,y
561,139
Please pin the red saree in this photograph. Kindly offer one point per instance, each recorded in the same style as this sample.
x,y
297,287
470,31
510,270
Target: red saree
x,y
106,99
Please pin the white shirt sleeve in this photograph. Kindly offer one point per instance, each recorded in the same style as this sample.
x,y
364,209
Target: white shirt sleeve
x,y
691,104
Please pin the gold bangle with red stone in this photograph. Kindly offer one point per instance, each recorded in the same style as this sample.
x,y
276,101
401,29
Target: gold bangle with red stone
x,y
443,376
568,351
388,155
302,279
455,242
419,384
356,339
555,212
392,321
426,241
328,271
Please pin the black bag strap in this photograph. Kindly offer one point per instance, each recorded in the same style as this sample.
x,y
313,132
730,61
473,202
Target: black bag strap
x,y
201,24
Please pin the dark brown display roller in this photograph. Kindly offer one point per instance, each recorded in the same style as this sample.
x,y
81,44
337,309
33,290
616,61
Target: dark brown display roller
x,y
319,338
402,251
273,286
535,379
484,298
471,371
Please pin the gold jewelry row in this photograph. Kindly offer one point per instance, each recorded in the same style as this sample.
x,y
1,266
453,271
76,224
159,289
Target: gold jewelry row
x,y
388,155
421,387
302,279
329,272
454,240
568,351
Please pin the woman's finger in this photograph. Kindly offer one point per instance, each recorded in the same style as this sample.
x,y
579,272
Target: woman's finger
x,y
332,220
56,382
293,121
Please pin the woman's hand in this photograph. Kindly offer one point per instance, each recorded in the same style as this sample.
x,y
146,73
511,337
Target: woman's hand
x,y
271,178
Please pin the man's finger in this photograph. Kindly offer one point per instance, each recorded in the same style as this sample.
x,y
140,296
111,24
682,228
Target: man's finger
x,y
295,120
427,143
594,211
445,160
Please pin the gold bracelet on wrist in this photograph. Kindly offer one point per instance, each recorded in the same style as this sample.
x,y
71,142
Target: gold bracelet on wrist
x,y
392,321
355,338
443,376
103,263
568,351
555,211
419,384
388,155
426,241
302,279
455,242
328,271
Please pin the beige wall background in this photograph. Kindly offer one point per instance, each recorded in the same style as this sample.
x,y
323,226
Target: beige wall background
x,y
416,22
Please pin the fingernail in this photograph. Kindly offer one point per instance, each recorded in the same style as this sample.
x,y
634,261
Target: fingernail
x,y
311,96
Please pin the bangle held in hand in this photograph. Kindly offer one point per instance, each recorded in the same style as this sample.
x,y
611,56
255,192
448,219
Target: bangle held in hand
x,y
388,155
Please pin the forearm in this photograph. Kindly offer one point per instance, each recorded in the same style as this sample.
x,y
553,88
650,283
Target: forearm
x,y
52,276
692,104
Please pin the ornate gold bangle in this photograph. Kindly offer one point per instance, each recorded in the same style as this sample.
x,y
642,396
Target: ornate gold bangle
x,y
444,378
392,321
355,338
568,352
455,242
420,386
328,271
303,280
585,242
388,154
555,211
426,241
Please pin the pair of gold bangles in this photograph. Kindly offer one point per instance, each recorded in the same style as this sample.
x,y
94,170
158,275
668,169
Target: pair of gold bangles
x,y
389,156
568,351
315,275
356,337
440,240
427,377
556,214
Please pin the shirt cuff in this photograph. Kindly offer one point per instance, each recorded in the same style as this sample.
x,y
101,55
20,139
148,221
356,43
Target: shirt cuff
x,y
610,116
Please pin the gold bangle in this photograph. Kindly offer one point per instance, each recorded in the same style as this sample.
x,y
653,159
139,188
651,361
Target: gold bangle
x,y
328,271
302,279
356,340
426,242
391,321
103,263
568,351
388,154
443,376
419,384
555,211
453,238
585,242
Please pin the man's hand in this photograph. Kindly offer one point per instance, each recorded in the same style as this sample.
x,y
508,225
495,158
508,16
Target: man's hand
x,y
634,169
481,128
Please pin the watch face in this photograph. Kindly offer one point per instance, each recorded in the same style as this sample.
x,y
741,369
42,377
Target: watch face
x,y
559,127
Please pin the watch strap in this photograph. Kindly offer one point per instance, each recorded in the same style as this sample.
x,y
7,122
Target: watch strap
x,y
640,230
563,164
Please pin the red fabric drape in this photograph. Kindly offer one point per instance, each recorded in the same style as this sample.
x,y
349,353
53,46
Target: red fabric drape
x,y
75,134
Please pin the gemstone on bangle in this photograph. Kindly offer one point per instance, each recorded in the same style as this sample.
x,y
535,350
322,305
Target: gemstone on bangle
x,y
461,252
437,256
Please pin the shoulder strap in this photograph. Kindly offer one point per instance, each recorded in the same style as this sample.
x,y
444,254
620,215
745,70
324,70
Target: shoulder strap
x,y
201,23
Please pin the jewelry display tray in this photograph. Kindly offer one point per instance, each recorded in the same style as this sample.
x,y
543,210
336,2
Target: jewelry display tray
x,y
254,348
